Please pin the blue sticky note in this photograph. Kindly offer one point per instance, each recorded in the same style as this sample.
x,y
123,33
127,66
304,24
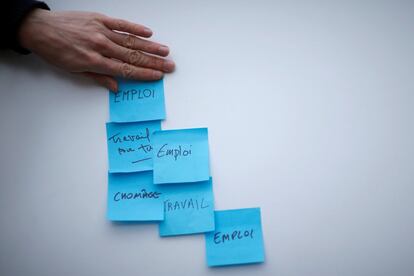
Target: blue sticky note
x,y
137,101
134,197
188,209
129,146
237,239
181,156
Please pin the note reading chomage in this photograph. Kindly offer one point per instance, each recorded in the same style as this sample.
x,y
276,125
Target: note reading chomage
x,y
237,238
181,156
134,197
137,101
188,209
129,146
142,157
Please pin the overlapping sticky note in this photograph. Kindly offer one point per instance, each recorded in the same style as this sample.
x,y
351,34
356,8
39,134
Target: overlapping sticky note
x,y
134,197
237,238
181,156
142,156
129,145
137,101
188,209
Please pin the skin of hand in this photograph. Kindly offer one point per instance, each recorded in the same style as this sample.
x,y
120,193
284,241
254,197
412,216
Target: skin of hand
x,y
95,45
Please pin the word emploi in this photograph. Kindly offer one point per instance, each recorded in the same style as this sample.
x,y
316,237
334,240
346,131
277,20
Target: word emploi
x,y
164,176
134,95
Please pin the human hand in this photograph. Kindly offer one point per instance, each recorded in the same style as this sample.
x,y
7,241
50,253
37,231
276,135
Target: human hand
x,y
95,45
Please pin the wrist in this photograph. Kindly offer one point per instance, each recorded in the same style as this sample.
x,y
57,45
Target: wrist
x,y
32,27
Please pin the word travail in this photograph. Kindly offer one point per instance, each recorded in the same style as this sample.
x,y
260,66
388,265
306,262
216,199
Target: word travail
x,y
163,176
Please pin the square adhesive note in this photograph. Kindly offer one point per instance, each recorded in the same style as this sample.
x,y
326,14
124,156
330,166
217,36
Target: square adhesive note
x,y
129,146
188,209
181,156
137,101
133,197
237,239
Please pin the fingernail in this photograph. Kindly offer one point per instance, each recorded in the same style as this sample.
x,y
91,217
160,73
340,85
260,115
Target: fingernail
x,y
164,49
157,75
147,31
169,65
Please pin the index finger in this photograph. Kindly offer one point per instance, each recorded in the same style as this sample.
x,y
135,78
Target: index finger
x,y
126,26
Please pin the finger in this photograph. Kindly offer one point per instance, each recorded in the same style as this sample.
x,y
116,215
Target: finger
x,y
106,81
135,43
138,58
111,67
126,26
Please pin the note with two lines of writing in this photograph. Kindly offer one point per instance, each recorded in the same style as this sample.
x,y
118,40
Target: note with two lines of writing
x,y
129,146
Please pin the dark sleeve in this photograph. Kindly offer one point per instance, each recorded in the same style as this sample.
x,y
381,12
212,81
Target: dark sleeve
x,y
11,16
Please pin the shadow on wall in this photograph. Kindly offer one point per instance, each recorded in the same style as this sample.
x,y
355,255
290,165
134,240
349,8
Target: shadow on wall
x,y
34,66
242,269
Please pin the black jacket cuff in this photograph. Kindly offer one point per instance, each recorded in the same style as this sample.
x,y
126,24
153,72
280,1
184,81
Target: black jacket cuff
x,y
15,13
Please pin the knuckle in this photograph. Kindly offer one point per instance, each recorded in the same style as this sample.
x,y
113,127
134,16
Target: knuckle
x,y
97,16
156,63
160,63
92,60
126,70
95,21
129,42
137,58
120,24
99,41
149,48
152,75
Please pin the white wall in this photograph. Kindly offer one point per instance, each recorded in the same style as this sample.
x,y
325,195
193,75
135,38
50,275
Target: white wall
x,y
310,108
